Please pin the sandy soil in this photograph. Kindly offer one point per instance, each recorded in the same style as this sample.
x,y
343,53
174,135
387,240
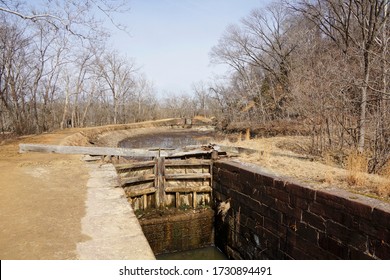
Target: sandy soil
x,y
41,201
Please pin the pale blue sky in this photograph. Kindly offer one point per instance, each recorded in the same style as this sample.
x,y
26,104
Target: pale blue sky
x,y
171,39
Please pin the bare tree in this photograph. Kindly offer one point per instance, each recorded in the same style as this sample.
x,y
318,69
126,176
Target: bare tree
x,y
118,73
76,17
354,25
260,52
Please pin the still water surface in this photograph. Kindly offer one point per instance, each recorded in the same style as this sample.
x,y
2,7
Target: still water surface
x,y
168,140
208,253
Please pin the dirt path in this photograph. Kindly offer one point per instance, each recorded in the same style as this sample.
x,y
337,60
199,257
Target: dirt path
x,y
41,201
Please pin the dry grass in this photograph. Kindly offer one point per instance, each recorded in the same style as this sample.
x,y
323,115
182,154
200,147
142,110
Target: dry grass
x,y
274,154
383,188
328,174
356,165
248,134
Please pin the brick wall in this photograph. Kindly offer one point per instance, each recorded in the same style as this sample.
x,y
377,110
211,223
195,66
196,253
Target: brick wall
x,y
179,231
272,218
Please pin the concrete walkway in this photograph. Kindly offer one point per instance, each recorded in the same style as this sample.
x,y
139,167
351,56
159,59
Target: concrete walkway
x,y
110,221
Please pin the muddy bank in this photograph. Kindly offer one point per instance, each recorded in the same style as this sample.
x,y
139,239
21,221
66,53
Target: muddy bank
x,y
102,135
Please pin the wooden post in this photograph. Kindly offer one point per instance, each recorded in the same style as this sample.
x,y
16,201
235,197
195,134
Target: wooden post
x,y
156,183
194,200
177,199
145,201
160,181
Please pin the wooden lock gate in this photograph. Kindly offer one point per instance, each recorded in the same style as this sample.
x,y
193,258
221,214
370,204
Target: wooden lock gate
x,y
163,182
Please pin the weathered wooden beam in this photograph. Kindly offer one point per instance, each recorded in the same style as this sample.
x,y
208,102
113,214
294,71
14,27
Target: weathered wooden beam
x,y
134,165
188,176
104,151
188,189
189,162
133,192
160,182
177,153
131,180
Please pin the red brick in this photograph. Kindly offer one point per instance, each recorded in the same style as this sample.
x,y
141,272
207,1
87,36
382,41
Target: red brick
x,y
296,247
271,213
359,209
282,206
381,218
239,199
296,253
326,198
314,220
359,255
382,251
298,202
264,199
346,236
307,232
271,240
374,231
276,228
280,184
330,213
339,250
267,180
301,191
226,177
279,194
291,219
253,215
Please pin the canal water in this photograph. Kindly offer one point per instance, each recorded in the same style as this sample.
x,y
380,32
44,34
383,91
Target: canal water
x,y
169,140
208,253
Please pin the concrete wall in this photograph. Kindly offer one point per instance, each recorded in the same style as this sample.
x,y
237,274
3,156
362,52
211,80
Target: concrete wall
x,y
271,218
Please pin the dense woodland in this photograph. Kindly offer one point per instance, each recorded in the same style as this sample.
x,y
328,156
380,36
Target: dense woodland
x,y
323,65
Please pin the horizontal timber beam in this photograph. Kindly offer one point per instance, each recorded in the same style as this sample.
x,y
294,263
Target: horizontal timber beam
x,y
138,192
102,151
138,179
182,189
190,176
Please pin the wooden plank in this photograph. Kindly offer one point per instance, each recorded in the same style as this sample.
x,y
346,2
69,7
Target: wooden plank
x,y
194,200
104,151
138,179
133,192
160,183
177,154
183,189
188,176
188,162
134,165
108,151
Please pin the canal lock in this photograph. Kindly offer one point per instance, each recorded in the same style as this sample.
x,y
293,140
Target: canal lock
x,y
173,201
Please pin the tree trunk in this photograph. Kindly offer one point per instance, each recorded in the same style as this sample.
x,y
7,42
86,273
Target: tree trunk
x,y
363,104
65,105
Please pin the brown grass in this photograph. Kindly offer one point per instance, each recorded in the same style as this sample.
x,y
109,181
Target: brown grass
x,y
277,154
356,165
248,134
328,174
